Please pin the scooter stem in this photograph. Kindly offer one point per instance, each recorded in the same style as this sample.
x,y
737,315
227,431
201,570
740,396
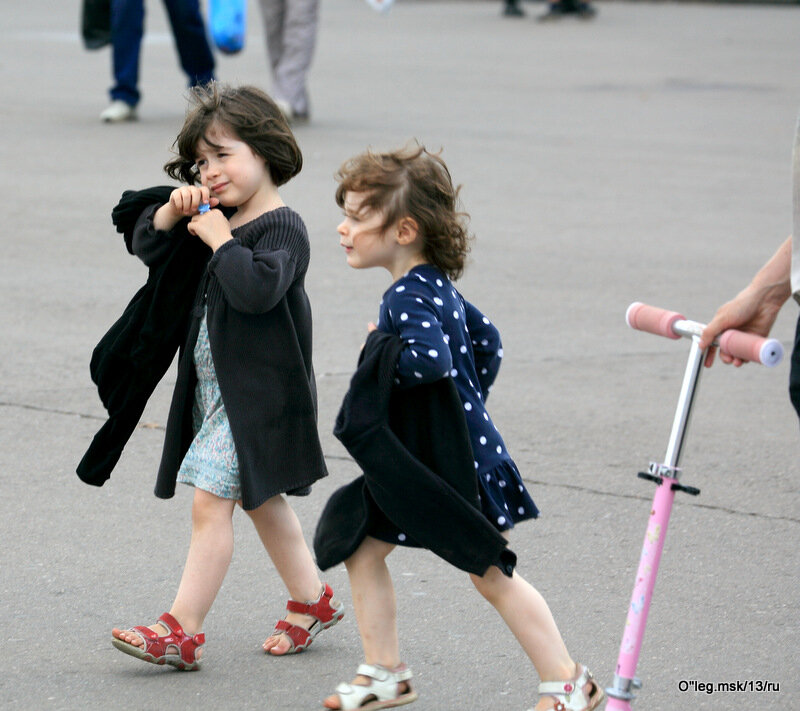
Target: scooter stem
x,y
666,476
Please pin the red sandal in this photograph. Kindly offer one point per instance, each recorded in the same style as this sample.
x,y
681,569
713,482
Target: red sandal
x,y
175,648
325,609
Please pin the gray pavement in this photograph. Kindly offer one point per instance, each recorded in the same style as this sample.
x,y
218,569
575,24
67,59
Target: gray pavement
x,y
644,156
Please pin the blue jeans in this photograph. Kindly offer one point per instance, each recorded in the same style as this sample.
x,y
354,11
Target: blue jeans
x,y
127,30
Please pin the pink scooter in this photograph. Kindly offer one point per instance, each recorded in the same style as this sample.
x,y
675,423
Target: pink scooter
x,y
746,346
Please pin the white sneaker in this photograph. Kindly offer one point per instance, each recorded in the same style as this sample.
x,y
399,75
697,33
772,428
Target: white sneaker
x,y
381,5
118,111
286,109
292,116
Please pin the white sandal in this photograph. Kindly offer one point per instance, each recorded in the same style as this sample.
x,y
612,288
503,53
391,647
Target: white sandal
x,y
569,695
382,693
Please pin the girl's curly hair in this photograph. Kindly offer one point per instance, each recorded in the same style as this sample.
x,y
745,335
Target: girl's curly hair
x,y
248,113
412,182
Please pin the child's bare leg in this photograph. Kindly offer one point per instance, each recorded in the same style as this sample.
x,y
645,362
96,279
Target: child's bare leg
x,y
210,552
375,607
528,617
282,536
374,602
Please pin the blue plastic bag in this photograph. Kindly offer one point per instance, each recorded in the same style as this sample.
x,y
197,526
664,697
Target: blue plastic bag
x,y
226,21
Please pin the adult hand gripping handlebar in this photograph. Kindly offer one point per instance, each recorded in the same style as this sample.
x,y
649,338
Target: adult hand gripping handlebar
x,y
671,324
665,475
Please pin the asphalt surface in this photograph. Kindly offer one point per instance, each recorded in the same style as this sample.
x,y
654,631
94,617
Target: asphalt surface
x,y
642,156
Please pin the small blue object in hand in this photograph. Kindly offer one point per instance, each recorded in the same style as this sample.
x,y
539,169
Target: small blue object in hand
x,y
205,207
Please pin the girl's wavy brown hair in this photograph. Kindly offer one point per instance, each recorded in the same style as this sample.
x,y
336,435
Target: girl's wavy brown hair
x,y
412,182
248,113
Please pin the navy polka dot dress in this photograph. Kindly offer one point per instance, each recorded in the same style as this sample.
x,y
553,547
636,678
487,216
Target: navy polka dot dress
x,y
446,336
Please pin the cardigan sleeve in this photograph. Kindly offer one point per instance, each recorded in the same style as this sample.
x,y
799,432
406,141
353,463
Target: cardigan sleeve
x,y
254,281
149,244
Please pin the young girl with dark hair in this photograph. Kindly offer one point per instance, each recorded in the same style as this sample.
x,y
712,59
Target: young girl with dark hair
x,y
242,424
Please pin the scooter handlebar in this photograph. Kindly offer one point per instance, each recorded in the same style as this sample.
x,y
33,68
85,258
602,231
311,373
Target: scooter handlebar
x,y
671,324
653,319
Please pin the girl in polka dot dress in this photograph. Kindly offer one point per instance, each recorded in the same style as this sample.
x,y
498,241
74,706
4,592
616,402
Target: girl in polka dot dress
x,y
400,213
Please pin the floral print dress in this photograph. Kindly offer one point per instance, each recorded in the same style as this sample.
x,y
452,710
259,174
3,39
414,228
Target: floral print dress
x,y
210,463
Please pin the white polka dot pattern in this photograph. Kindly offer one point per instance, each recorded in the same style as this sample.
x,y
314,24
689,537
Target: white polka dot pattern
x,y
451,338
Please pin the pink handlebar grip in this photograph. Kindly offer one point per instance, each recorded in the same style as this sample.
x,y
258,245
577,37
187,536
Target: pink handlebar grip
x,y
749,346
739,344
652,319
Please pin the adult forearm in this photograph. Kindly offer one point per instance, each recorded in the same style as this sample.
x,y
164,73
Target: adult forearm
x,y
774,278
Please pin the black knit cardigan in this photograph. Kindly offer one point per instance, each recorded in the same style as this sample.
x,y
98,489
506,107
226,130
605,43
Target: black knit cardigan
x,y
259,327
260,334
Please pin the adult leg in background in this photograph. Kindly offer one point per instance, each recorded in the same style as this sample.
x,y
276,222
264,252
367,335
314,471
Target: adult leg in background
x,y
191,40
290,29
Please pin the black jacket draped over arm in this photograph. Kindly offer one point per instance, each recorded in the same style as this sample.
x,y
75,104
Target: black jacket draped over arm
x,y
413,447
136,352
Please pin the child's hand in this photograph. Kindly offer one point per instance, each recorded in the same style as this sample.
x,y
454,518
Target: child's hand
x,y
212,227
183,202
370,328
186,201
